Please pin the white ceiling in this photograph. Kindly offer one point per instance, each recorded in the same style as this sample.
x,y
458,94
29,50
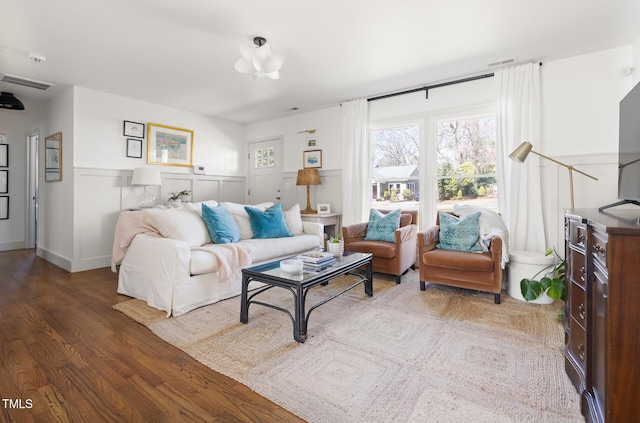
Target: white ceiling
x,y
182,53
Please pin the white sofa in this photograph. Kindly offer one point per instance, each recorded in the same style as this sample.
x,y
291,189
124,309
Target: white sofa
x,y
167,259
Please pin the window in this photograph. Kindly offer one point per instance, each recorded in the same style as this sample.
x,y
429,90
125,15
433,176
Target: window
x,y
466,162
395,167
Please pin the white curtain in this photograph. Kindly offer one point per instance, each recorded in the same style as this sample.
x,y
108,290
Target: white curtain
x,y
356,163
518,120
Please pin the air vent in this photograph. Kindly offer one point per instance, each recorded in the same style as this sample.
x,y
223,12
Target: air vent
x,y
502,62
32,83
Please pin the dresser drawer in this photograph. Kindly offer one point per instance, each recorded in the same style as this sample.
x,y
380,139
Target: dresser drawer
x,y
578,270
578,303
577,234
599,248
578,343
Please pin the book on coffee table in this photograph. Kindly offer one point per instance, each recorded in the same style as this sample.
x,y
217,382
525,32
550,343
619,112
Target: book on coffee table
x,y
316,257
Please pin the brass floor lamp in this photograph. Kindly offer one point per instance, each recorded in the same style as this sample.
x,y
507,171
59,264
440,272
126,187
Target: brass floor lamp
x,y
520,154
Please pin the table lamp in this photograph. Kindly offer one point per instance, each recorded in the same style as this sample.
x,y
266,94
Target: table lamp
x,y
308,177
146,176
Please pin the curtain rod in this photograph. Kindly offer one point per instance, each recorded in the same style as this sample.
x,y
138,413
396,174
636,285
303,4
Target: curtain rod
x,y
427,88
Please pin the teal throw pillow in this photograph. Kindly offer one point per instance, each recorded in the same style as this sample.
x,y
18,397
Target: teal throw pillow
x,y
269,223
382,226
459,234
220,224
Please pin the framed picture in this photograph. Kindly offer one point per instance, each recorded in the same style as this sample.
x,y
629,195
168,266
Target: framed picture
x,y
4,182
313,142
4,155
324,208
170,146
133,129
3,138
134,148
312,158
53,158
4,208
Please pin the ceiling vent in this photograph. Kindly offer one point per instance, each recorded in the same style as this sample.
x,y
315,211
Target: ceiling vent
x,y
32,83
502,62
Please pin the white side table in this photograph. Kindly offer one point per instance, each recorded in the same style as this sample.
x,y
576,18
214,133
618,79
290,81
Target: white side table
x,y
330,221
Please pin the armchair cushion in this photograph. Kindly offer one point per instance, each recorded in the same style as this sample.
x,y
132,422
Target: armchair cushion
x,y
382,227
459,234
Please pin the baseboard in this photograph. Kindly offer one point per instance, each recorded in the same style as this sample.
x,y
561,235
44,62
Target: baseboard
x,y
54,258
12,245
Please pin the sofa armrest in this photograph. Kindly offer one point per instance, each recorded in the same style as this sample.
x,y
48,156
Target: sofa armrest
x,y
355,232
314,228
429,237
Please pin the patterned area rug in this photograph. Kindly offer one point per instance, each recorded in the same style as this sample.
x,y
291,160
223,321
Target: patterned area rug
x,y
443,355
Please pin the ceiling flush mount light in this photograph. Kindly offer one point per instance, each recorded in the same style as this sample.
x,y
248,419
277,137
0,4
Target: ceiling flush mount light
x,y
8,101
259,61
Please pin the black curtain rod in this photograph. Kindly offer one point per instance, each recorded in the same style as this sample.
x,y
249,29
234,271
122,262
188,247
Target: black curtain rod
x,y
427,88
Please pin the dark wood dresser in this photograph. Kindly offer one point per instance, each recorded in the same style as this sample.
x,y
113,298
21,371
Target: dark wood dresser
x,y
602,313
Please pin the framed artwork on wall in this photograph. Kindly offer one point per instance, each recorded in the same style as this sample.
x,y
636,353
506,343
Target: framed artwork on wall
x,y
4,208
4,155
170,146
53,158
312,158
133,129
4,182
134,148
313,142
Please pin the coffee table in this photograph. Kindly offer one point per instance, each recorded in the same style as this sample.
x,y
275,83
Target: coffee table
x,y
299,285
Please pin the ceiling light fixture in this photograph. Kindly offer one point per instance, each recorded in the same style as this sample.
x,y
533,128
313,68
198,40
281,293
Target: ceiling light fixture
x,y
259,61
8,101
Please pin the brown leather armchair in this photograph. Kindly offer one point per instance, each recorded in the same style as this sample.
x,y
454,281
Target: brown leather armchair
x,y
393,258
480,271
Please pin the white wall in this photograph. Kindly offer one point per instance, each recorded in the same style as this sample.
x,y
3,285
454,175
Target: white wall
x,y
328,126
580,112
77,216
12,123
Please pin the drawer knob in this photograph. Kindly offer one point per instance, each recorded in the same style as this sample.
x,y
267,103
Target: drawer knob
x,y
581,237
582,350
598,249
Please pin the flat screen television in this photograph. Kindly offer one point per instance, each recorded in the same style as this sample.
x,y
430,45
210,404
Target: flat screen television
x,y
629,150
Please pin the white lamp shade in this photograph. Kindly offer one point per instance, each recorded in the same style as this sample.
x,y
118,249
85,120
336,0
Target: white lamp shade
x,y
146,176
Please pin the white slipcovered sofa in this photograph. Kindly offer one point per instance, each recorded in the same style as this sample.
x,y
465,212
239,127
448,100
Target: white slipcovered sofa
x,y
168,260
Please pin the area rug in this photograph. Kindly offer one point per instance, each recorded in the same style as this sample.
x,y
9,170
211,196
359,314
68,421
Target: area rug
x,y
404,355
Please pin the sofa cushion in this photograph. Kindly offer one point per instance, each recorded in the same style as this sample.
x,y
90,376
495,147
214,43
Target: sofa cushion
x,y
197,207
220,224
182,224
269,223
294,221
459,234
242,218
382,226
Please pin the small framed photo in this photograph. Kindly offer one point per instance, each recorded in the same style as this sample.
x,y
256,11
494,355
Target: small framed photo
x,y
312,158
4,208
170,146
133,129
324,209
4,182
4,155
313,142
134,148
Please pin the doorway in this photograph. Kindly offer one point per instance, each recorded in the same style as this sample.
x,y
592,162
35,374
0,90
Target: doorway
x,y
32,190
265,171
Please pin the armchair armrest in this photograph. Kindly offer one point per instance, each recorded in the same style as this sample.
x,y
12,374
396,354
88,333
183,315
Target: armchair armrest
x,y
429,238
405,233
355,232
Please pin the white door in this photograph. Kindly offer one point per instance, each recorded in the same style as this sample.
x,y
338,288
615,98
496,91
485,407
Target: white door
x,y
32,191
265,171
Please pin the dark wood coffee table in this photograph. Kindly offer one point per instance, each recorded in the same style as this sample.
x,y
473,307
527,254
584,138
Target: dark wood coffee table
x,y
300,284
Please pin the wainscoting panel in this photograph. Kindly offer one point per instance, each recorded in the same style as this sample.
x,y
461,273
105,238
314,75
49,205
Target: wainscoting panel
x,y
102,194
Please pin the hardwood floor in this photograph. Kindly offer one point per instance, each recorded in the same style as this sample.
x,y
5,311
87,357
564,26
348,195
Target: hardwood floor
x,y
67,356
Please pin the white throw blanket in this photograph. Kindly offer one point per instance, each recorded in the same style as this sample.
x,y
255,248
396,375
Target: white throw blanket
x,y
231,258
491,224
129,224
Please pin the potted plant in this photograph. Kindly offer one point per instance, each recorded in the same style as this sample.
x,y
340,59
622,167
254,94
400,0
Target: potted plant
x,y
552,283
178,196
335,245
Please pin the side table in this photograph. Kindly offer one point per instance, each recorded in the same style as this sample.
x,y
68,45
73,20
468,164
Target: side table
x,y
331,222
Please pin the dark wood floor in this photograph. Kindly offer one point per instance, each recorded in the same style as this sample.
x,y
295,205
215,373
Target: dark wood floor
x,y
66,355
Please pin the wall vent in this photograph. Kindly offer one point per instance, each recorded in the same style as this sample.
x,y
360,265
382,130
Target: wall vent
x,y
32,83
502,62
